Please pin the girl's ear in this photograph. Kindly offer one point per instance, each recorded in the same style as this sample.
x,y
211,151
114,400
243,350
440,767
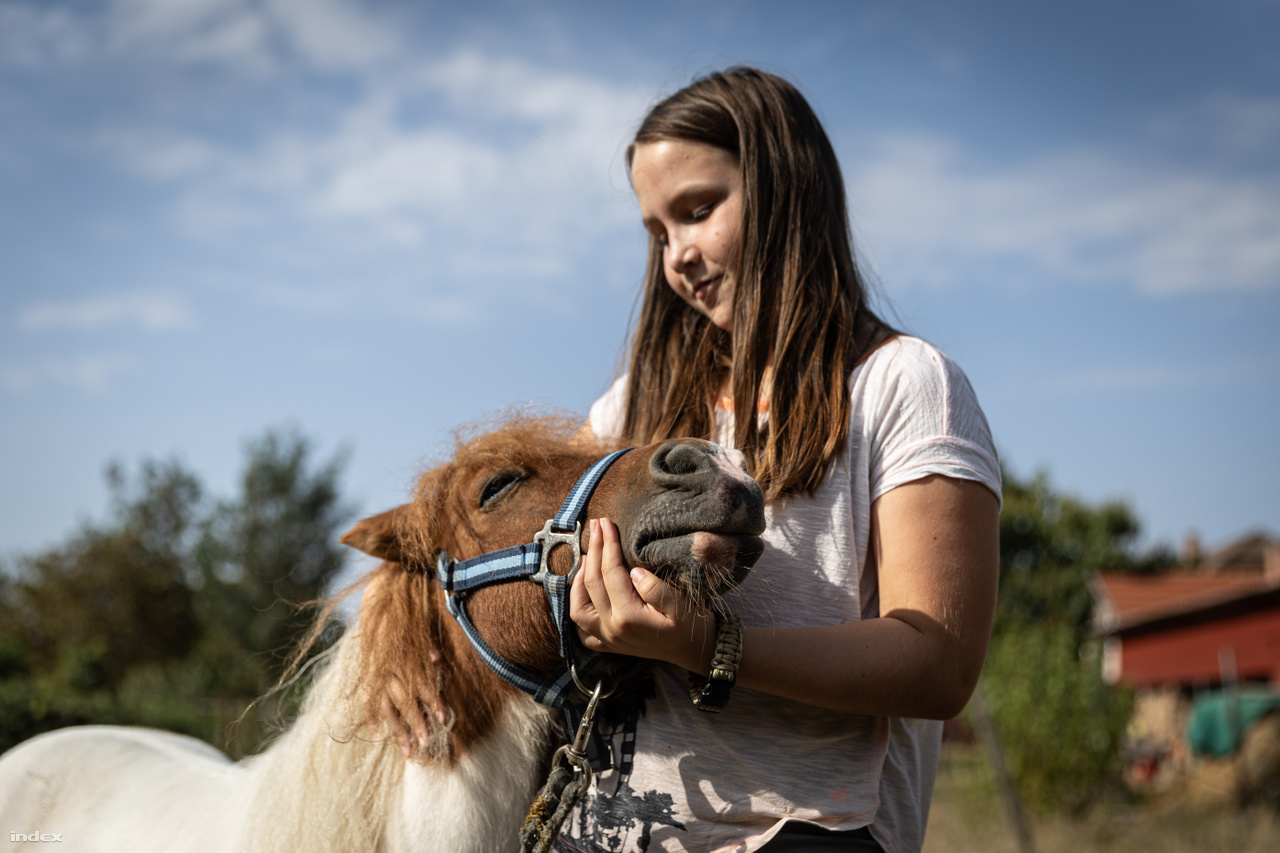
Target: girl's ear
x,y
378,535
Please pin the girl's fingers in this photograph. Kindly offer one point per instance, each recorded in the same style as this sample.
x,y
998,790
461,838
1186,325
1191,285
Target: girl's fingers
x,y
396,725
588,598
630,611
582,611
613,567
405,717
656,593
593,579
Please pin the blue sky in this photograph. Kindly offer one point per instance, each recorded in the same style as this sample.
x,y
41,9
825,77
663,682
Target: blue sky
x,y
377,221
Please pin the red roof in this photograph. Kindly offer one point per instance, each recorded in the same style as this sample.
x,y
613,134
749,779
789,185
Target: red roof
x,y
1126,600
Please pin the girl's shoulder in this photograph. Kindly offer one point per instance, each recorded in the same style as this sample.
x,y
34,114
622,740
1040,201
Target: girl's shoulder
x,y
902,347
607,413
904,360
911,388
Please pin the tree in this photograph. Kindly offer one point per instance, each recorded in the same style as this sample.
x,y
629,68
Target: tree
x,y
1060,725
262,557
168,614
114,597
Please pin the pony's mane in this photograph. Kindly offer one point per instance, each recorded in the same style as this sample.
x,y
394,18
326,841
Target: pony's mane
x,y
516,438
326,783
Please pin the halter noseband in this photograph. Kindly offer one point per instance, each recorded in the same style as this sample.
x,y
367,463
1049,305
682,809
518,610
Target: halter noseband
x,y
530,561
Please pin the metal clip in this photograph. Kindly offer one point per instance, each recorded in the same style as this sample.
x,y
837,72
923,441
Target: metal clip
x,y
575,754
578,751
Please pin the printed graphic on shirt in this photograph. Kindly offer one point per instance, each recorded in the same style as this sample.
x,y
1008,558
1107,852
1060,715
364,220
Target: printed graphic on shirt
x,y
626,820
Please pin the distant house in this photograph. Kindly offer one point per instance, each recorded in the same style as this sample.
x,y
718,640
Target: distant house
x,y
1200,643
1214,620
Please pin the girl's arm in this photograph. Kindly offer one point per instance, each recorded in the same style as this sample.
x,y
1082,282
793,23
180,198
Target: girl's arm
x,y
936,545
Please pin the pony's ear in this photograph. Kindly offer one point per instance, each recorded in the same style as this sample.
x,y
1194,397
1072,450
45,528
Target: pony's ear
x,y
378,535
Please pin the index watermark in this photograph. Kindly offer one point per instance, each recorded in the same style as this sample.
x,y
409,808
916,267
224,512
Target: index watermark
x,y
15,837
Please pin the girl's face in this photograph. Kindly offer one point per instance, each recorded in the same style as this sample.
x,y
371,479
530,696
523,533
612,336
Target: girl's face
x,y
690,197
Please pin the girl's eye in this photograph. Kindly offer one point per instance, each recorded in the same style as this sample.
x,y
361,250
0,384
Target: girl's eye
x,y
702,213
499,485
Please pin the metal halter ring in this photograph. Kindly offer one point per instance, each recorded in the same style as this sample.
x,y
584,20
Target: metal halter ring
x,y
590,691
549,539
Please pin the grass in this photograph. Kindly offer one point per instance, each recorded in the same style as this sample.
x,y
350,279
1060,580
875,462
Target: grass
x,y
967,817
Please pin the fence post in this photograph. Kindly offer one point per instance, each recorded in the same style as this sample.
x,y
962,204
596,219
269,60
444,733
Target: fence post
x,y
995,754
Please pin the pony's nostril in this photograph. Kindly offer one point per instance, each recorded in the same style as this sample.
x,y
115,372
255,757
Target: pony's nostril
x,y
679,460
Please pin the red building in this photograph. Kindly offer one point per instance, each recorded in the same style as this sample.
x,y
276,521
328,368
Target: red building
x,y
1200,643
1216,621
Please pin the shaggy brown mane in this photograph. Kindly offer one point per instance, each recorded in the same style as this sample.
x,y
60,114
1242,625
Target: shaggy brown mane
x,y
517,440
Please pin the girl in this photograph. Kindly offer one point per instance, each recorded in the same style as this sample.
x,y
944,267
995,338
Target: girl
x,y
868,616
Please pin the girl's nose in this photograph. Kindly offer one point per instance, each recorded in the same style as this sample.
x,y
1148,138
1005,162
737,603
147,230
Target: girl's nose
x,y
682,253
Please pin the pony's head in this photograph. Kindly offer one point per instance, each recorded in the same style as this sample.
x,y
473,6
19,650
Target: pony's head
x,y
685,509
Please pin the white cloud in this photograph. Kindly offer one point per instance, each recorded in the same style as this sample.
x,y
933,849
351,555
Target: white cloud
x,y
161,154
467,165
33,36
407,303
512,88
152,311
405,171
473,155
1144,377
242,36
471,159
189,30
934,219
333,33
1234,123
92,373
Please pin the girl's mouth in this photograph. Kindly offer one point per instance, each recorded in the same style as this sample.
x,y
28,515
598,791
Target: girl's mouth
x,y
702,288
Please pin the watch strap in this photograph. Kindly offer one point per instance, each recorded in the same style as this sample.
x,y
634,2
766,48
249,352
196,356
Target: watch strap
x,y
713,695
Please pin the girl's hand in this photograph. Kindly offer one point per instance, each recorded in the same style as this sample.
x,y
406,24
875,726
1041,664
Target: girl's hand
x,y
635,612
403,716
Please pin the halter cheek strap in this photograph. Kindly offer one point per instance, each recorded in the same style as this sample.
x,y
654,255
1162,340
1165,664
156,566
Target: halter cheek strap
x,y
530,561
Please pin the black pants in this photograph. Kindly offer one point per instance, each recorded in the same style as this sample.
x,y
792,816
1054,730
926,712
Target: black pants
x,y
807,838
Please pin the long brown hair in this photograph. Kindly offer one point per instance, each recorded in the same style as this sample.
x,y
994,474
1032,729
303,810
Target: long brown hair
x,y
799,303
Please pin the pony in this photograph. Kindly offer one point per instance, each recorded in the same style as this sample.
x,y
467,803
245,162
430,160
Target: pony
x,y
336,779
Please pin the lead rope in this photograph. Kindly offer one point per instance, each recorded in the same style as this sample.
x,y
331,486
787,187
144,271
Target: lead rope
x,y
570,776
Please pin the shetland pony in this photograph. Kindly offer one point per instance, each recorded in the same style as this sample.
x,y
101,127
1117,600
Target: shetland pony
x,y
337,780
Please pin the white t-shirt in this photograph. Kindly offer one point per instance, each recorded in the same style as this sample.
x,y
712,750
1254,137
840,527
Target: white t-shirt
x,y
720,782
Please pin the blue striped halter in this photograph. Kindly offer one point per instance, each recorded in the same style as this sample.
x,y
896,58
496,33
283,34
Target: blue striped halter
x,y
530,561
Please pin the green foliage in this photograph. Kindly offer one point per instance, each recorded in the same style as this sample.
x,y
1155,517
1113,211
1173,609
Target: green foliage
x,y
113,598
1049,546
1059,724
176,612
261,557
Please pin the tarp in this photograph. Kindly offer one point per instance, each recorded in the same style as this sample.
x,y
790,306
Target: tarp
x,y
1219,719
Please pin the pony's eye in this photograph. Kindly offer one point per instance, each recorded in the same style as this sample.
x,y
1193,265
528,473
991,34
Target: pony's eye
x,y
498,485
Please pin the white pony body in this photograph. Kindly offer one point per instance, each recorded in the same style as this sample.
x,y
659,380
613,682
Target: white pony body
x,y
320,787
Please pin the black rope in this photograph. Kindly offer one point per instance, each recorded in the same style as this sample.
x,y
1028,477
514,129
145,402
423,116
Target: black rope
x,y
551,808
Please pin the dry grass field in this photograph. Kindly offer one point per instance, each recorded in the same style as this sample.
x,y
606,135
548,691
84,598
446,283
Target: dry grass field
x,y
967,818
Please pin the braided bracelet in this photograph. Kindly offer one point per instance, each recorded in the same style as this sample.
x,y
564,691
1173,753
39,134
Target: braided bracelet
x,y
714,695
